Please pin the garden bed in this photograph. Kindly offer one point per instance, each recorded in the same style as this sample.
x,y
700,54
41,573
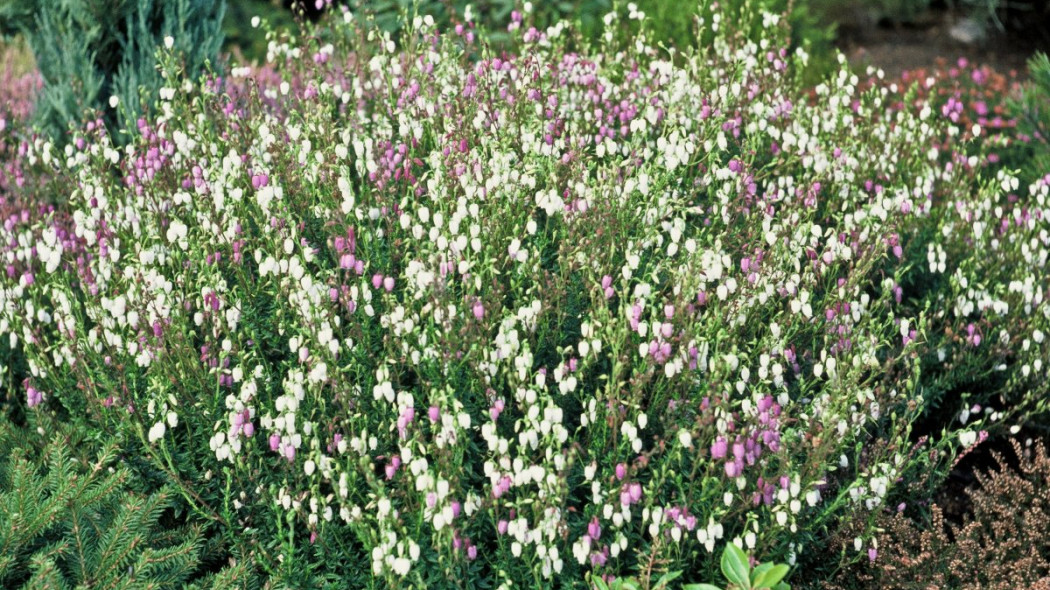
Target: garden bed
x,y
416,310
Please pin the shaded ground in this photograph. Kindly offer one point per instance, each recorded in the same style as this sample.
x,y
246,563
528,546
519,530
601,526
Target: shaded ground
x,y
896,47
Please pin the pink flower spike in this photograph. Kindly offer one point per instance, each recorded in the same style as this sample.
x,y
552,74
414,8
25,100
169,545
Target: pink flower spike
x,y
377,281
388,284
719,448
732,469
594,530
738,450
33,397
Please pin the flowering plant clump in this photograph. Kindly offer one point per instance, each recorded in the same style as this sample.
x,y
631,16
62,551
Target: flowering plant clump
x,y
16,94
418,312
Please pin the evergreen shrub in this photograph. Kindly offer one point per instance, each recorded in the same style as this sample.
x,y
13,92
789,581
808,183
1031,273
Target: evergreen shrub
x,y
89,51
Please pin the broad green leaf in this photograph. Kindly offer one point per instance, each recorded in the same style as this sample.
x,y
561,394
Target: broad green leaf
x,y
700,587
628,584
735,567
770,577
782,586
758,571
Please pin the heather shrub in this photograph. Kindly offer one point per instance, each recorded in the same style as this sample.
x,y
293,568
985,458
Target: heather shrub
x,y
420,313
17,89
670,24
961,378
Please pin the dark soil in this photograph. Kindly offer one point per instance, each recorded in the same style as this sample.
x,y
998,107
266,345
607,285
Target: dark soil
x,y
928,40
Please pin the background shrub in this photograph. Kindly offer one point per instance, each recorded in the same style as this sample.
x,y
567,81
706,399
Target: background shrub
x,y
88,51
244,42
1031,111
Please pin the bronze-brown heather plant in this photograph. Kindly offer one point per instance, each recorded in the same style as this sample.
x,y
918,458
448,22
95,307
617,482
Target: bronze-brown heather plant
x,y
1002,544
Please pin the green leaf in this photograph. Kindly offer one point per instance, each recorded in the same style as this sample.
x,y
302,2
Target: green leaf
x,y
770,577
759,570
735,567
782,586
667,579
700,587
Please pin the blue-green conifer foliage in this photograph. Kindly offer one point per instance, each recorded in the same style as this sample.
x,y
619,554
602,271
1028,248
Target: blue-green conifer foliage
x,y
90,50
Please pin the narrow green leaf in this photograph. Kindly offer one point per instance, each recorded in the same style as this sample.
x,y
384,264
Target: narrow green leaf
x,y
667,579
735,567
